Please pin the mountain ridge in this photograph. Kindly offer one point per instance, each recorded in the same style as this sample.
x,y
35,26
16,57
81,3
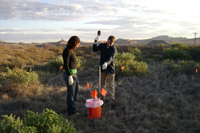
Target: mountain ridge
x,y
121,41
168,39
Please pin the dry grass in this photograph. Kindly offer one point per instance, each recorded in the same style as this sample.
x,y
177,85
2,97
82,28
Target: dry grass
x,y
155,102
15,55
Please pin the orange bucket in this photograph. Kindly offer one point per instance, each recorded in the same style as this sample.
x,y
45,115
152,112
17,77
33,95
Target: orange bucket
x,y
94,108
94,112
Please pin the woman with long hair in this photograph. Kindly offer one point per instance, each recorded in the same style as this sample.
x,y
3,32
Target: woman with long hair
x,y
70,73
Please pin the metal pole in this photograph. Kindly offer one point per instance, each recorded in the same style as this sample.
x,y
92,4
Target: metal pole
x,y
99,79
195,38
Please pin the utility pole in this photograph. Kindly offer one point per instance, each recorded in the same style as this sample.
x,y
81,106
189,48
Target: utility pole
x,y
195,38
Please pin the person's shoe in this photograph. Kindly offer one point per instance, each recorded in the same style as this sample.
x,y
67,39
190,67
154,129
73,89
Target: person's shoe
x,y
76,115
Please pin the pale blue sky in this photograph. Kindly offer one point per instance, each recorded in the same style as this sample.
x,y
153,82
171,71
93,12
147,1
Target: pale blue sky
x,y
52,20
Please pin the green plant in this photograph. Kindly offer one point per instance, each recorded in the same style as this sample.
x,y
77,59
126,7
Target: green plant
x,y
56,62
79,52
187,67
135,51
176,69
195,53
175,54
54,65
89,63
139,57
161,45
131,66
46,122
20,76
124,58
178,45
10,125
56,49
79,62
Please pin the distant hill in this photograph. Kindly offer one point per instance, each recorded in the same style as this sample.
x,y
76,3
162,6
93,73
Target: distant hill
x,y
167,39
120,41
1,41
157,42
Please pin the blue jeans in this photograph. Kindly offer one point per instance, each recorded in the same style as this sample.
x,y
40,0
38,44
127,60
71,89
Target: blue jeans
x,y
72,91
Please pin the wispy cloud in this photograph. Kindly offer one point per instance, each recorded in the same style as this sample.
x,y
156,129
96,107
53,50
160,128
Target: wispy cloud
x,y
29,10
34,37
25,30
125,18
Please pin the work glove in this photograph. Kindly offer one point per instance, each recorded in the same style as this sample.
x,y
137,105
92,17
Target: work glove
x,y
71,80
96,40
105,65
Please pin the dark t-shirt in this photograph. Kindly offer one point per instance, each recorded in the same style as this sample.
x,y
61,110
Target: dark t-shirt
x,y
69,59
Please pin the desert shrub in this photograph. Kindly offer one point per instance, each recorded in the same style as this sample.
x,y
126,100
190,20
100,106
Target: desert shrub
x,y
22,54
46,122
40,54
93,53
136,51
118,48
79,52
10,125
7,63
176,69
178,45
124,58
161,45
195,53
89,63
175,54
139,57
187,67
20,76
56,62
89,56
2,68
131,66
54,65
80,57
18,62
85,46
58,49
79,62
33,49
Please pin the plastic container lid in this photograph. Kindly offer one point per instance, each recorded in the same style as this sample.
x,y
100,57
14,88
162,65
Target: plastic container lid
x,y
93,102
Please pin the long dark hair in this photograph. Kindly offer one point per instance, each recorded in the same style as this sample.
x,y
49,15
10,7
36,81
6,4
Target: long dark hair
x,y
73,42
